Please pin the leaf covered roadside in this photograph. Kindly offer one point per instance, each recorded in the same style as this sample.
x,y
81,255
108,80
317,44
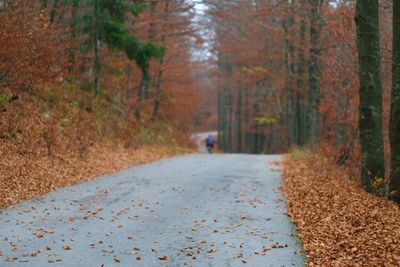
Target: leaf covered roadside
x,y
339,224
25,178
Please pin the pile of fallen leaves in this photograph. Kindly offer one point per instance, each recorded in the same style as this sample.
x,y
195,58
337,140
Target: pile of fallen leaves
x,y
23,176
339,224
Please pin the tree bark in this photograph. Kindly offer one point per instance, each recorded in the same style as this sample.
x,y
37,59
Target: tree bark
x,y
97,64
394,185
157,99
314,70
300,102
370,109
239,129
141,95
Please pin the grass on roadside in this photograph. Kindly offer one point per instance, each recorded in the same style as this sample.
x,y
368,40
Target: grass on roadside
x,y
300,153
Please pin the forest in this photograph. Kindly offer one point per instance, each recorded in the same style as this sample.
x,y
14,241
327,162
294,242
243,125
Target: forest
x,y
91,87
312,74
82,82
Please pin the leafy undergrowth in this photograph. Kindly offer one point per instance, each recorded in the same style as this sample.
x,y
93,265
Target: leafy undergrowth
x,y
54,138
339,224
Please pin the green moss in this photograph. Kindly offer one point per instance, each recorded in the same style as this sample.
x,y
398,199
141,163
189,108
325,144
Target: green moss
x,y
4,100
300,153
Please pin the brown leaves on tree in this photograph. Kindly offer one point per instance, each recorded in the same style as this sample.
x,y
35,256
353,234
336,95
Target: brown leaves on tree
x,y
339,223
28,48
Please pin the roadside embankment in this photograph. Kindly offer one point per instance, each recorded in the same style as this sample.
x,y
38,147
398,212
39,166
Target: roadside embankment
x,y
339,224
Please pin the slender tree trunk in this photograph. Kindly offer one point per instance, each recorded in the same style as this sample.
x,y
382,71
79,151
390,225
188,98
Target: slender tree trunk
x,y
394,185
239,110
73,34
53,11
220,126
225,119
43,4
370,110
314,72
129,81
245,119
97,64
157,99
97,68
301,63
230,122
290,112
151,37
141,95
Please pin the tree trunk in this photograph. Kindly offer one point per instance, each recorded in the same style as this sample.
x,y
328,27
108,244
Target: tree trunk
x,y
220,121
290,112
43,4
151,37
239,129
394,185
97,67
314,72
97,64
300,105
73,35
157,99
230,125
141,95
370,109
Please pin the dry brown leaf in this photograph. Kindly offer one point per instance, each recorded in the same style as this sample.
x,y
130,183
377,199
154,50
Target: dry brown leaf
x,y
163,258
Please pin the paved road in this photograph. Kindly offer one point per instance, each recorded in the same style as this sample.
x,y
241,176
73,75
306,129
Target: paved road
x,y
199,210
200,139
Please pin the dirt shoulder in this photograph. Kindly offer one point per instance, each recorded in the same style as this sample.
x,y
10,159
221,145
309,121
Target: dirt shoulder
x,y
24,177
339,224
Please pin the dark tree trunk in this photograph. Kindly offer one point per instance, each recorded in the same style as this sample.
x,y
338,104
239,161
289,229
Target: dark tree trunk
x,y
394,185
314,70
300,98
370,109
97,64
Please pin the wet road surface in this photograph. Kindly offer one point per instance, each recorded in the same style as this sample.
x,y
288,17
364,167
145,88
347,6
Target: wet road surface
x,y
198,210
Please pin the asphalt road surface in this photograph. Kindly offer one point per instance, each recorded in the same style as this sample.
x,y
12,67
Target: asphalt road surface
x,y
198,210
200,140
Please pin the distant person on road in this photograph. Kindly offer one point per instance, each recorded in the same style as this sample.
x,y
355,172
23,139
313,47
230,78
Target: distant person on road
x,y
210,143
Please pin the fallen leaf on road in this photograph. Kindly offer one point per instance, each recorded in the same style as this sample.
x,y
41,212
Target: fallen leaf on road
x,y
245,217
279,246
163,258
